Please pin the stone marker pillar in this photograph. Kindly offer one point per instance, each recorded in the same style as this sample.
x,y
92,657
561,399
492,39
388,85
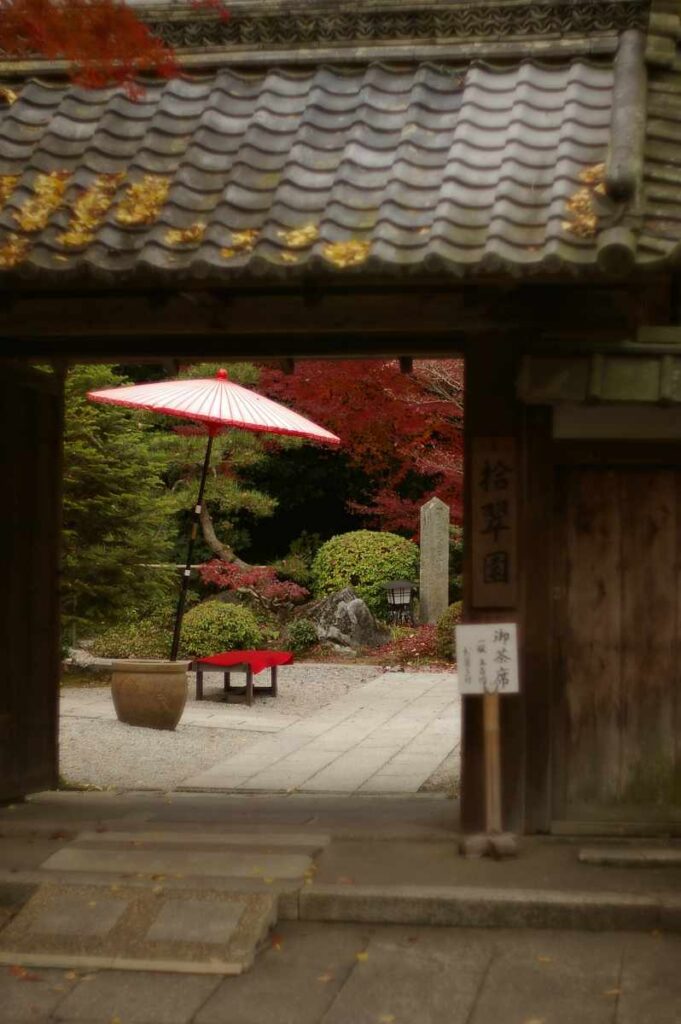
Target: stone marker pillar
x,y
434,582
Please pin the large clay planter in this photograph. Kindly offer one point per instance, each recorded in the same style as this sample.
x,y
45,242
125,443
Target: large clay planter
x,y
149,693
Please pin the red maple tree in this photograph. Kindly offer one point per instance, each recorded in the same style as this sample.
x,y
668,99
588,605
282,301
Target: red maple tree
x,y
405,431
103,42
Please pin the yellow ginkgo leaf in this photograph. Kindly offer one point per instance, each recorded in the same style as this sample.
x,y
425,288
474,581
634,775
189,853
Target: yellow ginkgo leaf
x,y
362,956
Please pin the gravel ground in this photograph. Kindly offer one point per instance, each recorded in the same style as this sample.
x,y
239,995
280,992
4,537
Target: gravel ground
x,y
110,754
303,688
113,755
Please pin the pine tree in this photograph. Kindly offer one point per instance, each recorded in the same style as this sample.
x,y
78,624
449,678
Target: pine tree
x,y
113,521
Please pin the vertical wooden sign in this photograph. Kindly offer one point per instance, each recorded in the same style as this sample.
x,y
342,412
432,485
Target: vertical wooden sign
x,y
494,531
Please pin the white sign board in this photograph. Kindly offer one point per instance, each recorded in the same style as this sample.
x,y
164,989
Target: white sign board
x,y
487,657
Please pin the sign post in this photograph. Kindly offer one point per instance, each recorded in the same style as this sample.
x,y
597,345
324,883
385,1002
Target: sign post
x,y
487,655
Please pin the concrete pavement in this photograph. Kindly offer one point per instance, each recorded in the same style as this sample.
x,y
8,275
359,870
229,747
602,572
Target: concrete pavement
x,y
356,974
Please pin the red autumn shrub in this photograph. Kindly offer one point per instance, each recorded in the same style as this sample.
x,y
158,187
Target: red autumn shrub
x,y
409,645
258,582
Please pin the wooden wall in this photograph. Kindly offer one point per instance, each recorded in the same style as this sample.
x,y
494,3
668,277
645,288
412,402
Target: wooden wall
x,y
31,409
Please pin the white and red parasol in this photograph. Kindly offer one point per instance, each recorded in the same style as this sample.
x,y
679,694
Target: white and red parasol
x,y
215,404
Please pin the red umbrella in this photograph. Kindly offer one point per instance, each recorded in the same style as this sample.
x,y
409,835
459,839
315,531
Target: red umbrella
x,y
215,404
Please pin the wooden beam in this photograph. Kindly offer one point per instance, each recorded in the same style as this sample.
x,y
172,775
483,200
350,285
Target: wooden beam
x,y
339,323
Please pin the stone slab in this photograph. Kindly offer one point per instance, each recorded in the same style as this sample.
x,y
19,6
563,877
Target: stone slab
x,y
295,981
433,980
157,928
478,907
651,980
195,921
632,856
567,978
136,998
70,914
35,1000
186,862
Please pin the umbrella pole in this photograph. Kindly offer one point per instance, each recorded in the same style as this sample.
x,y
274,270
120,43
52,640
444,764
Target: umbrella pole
x,y
190,550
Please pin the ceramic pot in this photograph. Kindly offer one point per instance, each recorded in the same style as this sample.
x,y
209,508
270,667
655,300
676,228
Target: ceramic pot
x,y
149,693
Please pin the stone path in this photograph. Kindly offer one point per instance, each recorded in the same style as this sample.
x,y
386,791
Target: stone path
x,y
386,737
354,974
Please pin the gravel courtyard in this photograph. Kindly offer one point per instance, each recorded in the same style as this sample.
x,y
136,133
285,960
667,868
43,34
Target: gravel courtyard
x,y
98,750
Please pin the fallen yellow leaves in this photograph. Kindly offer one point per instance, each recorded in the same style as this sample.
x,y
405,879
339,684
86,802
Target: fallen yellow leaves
x,y
12,252
90,209
299,238
581,206
143,200
346,254
289,257
48,195
325,978
362,957
186,236
276,942
7,95
8,182
22,974
242,241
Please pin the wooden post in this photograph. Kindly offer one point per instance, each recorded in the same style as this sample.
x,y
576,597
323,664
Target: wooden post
x,y
490,714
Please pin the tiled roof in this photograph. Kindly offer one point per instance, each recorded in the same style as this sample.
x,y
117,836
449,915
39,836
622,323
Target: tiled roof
x,y
660,236
467,169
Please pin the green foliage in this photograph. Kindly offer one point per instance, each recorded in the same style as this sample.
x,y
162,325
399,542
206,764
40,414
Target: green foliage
x,y
143,638
455,563
446,637
213,627
301,635
113,521
364,560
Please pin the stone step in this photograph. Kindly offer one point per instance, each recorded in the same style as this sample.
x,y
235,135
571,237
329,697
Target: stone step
x,y
82,927
632,856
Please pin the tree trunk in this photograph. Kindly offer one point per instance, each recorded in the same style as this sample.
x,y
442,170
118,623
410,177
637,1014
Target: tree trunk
x,y
223,551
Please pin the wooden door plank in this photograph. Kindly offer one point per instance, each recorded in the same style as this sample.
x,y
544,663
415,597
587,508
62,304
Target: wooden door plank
x,y
649,630
590,622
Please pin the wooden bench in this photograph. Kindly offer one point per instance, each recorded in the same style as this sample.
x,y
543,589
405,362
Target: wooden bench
x,y
250,662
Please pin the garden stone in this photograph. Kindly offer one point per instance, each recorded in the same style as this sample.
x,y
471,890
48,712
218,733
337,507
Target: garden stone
x,y
344,620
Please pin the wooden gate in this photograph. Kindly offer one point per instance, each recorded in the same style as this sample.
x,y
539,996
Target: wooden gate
x,y
617,627
30,472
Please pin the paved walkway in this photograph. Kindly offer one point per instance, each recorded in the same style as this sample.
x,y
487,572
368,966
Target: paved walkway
x,y
386,737
356,974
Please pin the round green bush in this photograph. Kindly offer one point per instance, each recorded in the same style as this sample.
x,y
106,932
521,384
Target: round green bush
x,y
446,637
213,627
301,635
365,560
146,638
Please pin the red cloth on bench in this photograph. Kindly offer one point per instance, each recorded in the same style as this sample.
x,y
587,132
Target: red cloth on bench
x,y
258,660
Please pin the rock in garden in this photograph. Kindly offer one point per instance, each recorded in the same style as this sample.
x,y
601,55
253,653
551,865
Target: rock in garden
x,y
344,619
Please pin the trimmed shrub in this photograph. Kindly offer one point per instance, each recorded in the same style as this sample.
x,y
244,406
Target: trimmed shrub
x,y
364,560
214,626
301,635
146,638
410,645
446,637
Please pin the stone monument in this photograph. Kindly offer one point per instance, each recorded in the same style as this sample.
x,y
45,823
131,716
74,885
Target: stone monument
x,y
434,581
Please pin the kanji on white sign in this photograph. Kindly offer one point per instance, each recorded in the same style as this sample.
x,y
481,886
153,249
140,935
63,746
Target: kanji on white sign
x,y
487,657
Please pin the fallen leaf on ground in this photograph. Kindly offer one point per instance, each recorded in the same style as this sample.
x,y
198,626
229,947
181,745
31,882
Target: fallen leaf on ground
x,y
59,835
612,992
268,881
535,1020
22,974
70,975
326,977
345,880
277,942
545,959
387,1018
362,956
